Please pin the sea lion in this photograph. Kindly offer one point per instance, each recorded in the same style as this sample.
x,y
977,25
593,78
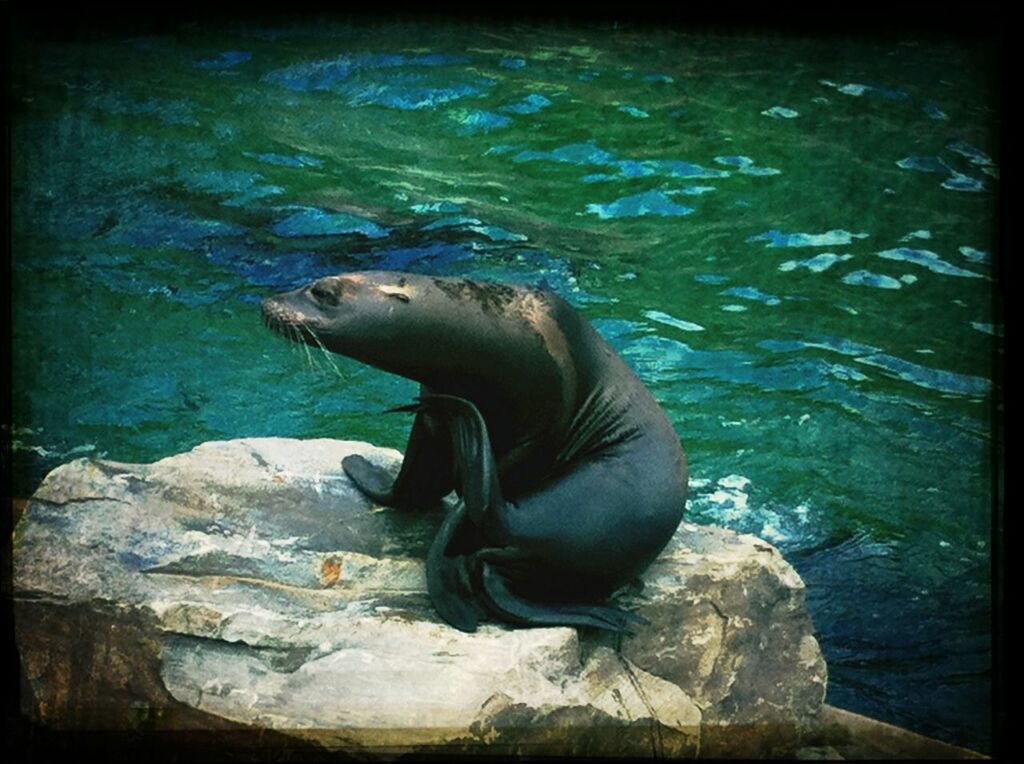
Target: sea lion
x,y
570,475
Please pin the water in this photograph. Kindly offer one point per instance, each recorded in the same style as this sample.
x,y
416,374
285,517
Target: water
x,y
789,238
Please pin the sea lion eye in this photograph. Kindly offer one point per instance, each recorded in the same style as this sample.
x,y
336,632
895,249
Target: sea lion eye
x,y
323,295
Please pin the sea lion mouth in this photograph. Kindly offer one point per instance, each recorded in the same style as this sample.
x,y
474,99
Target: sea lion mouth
x,y
288,323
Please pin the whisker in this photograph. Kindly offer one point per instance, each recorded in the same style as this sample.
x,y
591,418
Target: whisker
x,y
296,334
327,353
309,356
291,333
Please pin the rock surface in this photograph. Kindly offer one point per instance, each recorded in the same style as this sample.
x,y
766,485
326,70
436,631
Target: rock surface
x,y
247,582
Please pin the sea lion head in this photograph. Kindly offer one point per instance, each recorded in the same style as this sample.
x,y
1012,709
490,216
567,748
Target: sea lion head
x,y
422,327
343,313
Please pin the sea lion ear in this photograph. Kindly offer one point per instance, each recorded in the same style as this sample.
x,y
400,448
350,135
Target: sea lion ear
x,y
395,292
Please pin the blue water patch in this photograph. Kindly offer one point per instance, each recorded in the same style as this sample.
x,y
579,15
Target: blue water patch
x,y
848,89
634,111
710,278
920,234
276,270
154,227
833,238
974,255
444,207
817,264
451,222
590,153
867,278
956,181
973,153
842,345
403,86
576,153
313,221
647,203
513,63
734,308
160,278
923,164
631,168
746,165
933,379
855,89
532,104
987,328
678,323
846,374
658,77
405,96
780,112
497,233
436,257
659,359
696,190
935,112
225,60
241,186
927,259
674,168
751,293
298,160
502,148
492,232
959,182
327,74
782,346
475,121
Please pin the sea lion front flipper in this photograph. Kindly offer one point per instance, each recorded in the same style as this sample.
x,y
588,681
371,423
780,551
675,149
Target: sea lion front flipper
x,y
371,480
427,472
502,602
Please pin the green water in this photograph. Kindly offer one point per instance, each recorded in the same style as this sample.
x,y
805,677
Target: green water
x,y
790,239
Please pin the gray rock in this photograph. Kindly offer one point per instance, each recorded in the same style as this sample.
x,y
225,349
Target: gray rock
x,y
254,584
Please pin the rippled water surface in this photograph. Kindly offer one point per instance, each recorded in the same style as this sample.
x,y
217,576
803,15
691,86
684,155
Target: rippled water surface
x,y
790,239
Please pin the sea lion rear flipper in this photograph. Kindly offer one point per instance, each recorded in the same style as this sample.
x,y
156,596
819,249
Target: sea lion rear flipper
x,y
448,576
511,607
476,474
